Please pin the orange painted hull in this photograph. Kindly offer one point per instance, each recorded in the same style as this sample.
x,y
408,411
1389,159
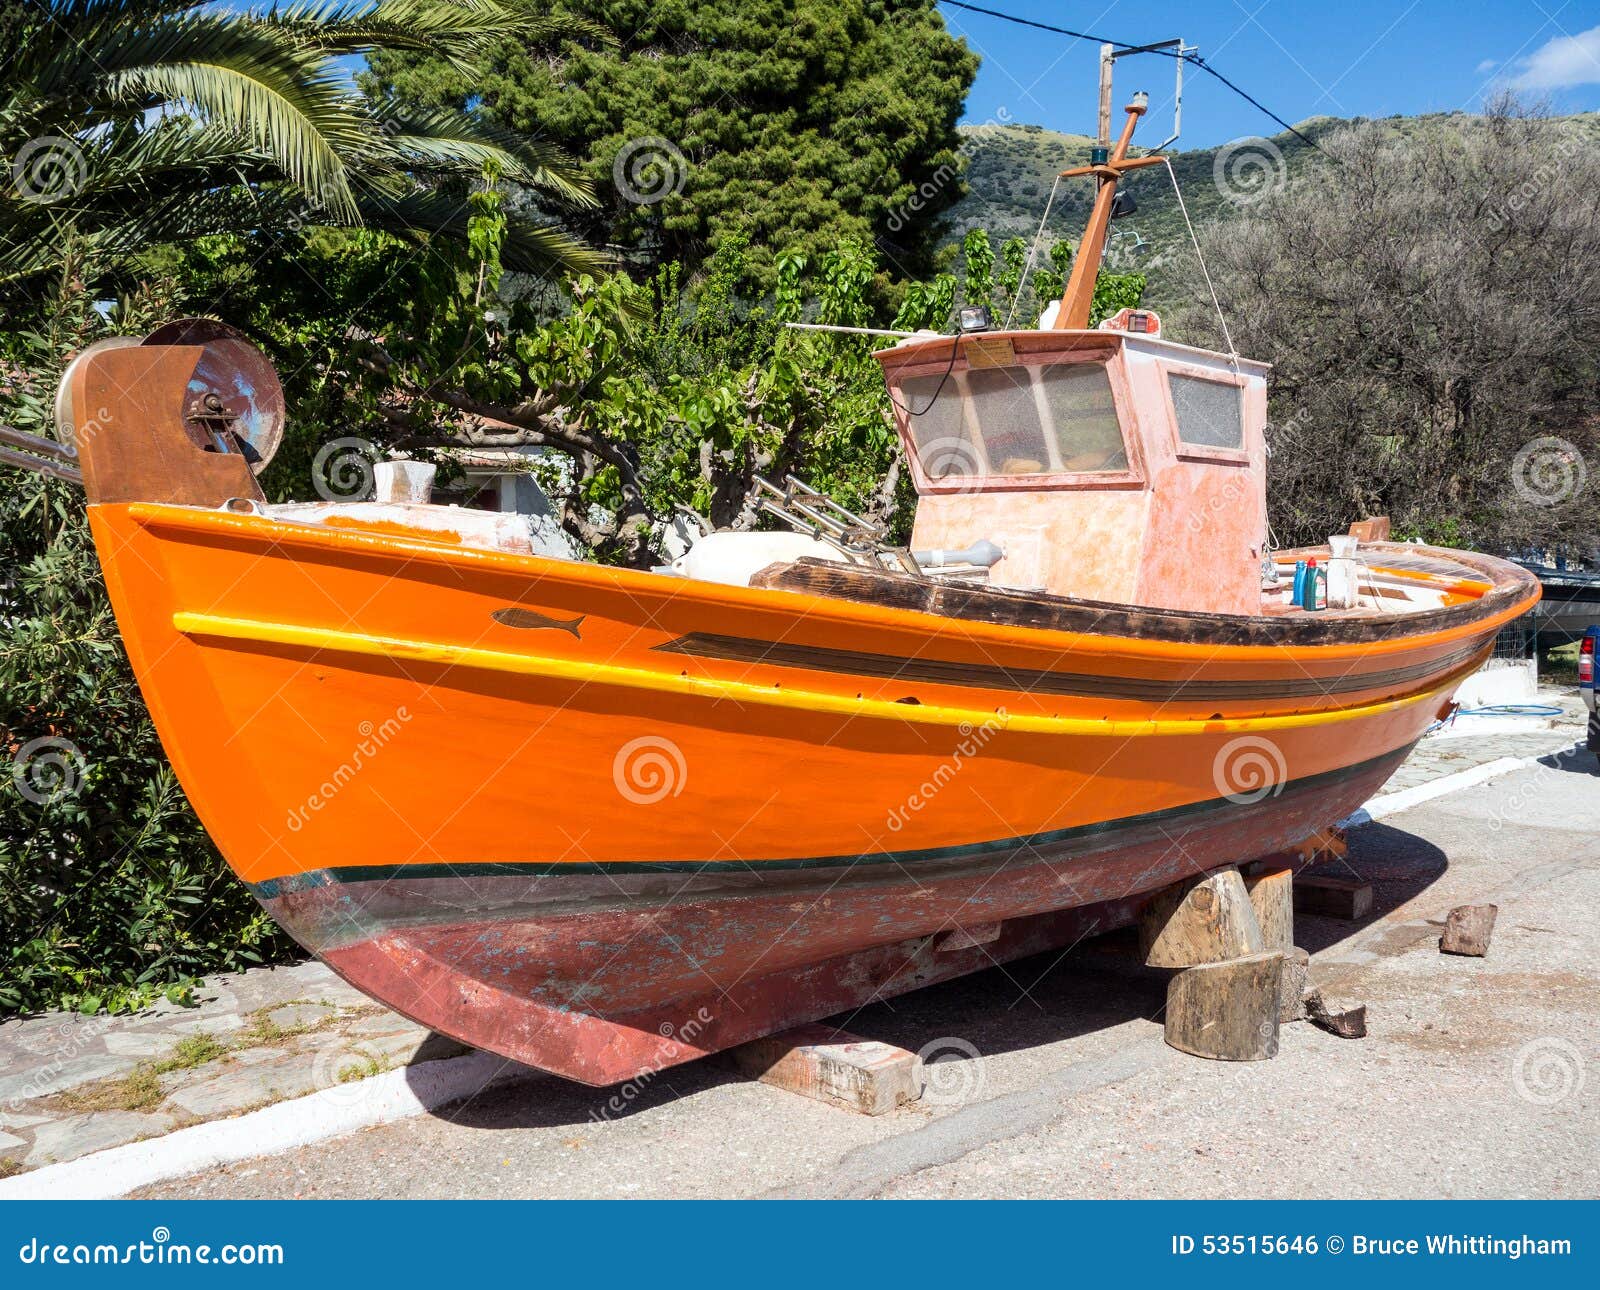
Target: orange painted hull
x,y
600,821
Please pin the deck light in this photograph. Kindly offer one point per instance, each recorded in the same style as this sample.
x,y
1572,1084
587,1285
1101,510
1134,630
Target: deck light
x,y
973,318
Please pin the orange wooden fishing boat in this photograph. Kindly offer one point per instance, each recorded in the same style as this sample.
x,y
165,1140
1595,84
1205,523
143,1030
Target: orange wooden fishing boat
x,y
602,821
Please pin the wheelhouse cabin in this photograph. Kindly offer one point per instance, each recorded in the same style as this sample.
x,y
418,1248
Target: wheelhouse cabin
x,y
1108,465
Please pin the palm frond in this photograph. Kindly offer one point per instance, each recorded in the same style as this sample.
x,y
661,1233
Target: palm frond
x,y
540,249
453,140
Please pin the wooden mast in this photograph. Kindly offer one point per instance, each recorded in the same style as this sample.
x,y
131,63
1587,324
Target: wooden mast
x,y
1079,295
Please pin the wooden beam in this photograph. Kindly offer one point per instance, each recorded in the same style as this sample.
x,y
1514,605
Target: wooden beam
x,y
1346,898
833,1066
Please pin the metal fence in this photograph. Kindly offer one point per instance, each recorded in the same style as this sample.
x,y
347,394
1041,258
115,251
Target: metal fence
x,y
1518,639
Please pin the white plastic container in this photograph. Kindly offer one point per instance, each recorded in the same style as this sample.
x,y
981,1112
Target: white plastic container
x,y
1342,589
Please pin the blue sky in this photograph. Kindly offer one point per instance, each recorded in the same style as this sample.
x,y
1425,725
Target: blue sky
x,y
1353,58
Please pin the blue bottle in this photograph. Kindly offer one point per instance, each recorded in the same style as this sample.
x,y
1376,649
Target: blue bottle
x,y
1300,583
1313,587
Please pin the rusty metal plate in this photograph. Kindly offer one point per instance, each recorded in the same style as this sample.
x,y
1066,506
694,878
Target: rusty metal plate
x,y
68,420
234,375
989,351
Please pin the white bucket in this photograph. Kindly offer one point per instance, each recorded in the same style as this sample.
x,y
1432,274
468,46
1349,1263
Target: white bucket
x,y
1341,571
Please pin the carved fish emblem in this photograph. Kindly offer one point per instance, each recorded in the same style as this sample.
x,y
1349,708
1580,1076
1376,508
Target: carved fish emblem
x,y
511,616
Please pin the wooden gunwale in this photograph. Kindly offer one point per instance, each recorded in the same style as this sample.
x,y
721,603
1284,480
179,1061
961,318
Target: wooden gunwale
x,y
1509,592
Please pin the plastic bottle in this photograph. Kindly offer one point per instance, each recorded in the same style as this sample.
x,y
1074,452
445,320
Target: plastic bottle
x,y
1299,593
1314,587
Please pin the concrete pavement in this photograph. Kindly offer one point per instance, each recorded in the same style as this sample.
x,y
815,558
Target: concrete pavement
x,y
1478,1078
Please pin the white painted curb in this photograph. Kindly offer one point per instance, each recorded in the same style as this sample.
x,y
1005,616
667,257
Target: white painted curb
x,y
401,1094
1392,803
327,1113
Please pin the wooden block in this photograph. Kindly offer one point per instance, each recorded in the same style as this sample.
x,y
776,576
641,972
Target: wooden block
x,y
835,1067
1347,898
1227,1011
1349,1024
1206,919
1296,980
1372,529
1272,898
1468,929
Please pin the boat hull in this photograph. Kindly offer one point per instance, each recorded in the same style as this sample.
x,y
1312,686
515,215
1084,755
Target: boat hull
x,y
601,821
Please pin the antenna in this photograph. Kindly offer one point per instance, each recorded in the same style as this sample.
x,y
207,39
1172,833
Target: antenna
x,y
1179,55
1108,164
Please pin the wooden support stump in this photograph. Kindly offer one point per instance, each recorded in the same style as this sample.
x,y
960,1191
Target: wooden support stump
x,y
835,1067
1346,898
1227,1011
1272,899
1292,989
1468,929
1206,919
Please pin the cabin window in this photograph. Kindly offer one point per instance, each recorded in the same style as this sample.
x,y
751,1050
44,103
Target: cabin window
x,y
1088,435
934,409
1210,413
1021,421
1008,419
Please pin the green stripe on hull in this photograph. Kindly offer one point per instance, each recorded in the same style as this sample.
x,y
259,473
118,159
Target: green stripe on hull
x,y
272,888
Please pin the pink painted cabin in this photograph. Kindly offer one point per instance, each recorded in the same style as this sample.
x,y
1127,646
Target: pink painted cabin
x,y
1107,465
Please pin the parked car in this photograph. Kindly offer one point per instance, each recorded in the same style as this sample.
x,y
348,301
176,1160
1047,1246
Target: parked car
x,y
1586,683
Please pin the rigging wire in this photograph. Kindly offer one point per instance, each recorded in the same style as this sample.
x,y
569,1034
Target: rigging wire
x,y
1200,255
1033,253
1190,58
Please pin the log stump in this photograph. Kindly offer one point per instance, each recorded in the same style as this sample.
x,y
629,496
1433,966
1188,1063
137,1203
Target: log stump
x,y
1206,919
1292,989
1227,1011
1272,899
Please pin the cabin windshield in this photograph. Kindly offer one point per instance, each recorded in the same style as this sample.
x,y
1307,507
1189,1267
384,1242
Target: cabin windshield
x,y
1027,419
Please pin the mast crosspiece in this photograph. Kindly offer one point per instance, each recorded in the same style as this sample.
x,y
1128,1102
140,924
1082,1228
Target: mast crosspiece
x,y
1079,295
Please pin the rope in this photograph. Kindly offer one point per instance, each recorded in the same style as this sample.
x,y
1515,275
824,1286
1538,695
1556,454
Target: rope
x,y
1033,252
1233,354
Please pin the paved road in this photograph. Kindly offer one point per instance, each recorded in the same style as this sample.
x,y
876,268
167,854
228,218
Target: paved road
x,y
1479,1077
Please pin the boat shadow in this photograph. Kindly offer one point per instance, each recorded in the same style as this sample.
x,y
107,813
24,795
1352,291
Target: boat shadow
x,y
1031,1003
